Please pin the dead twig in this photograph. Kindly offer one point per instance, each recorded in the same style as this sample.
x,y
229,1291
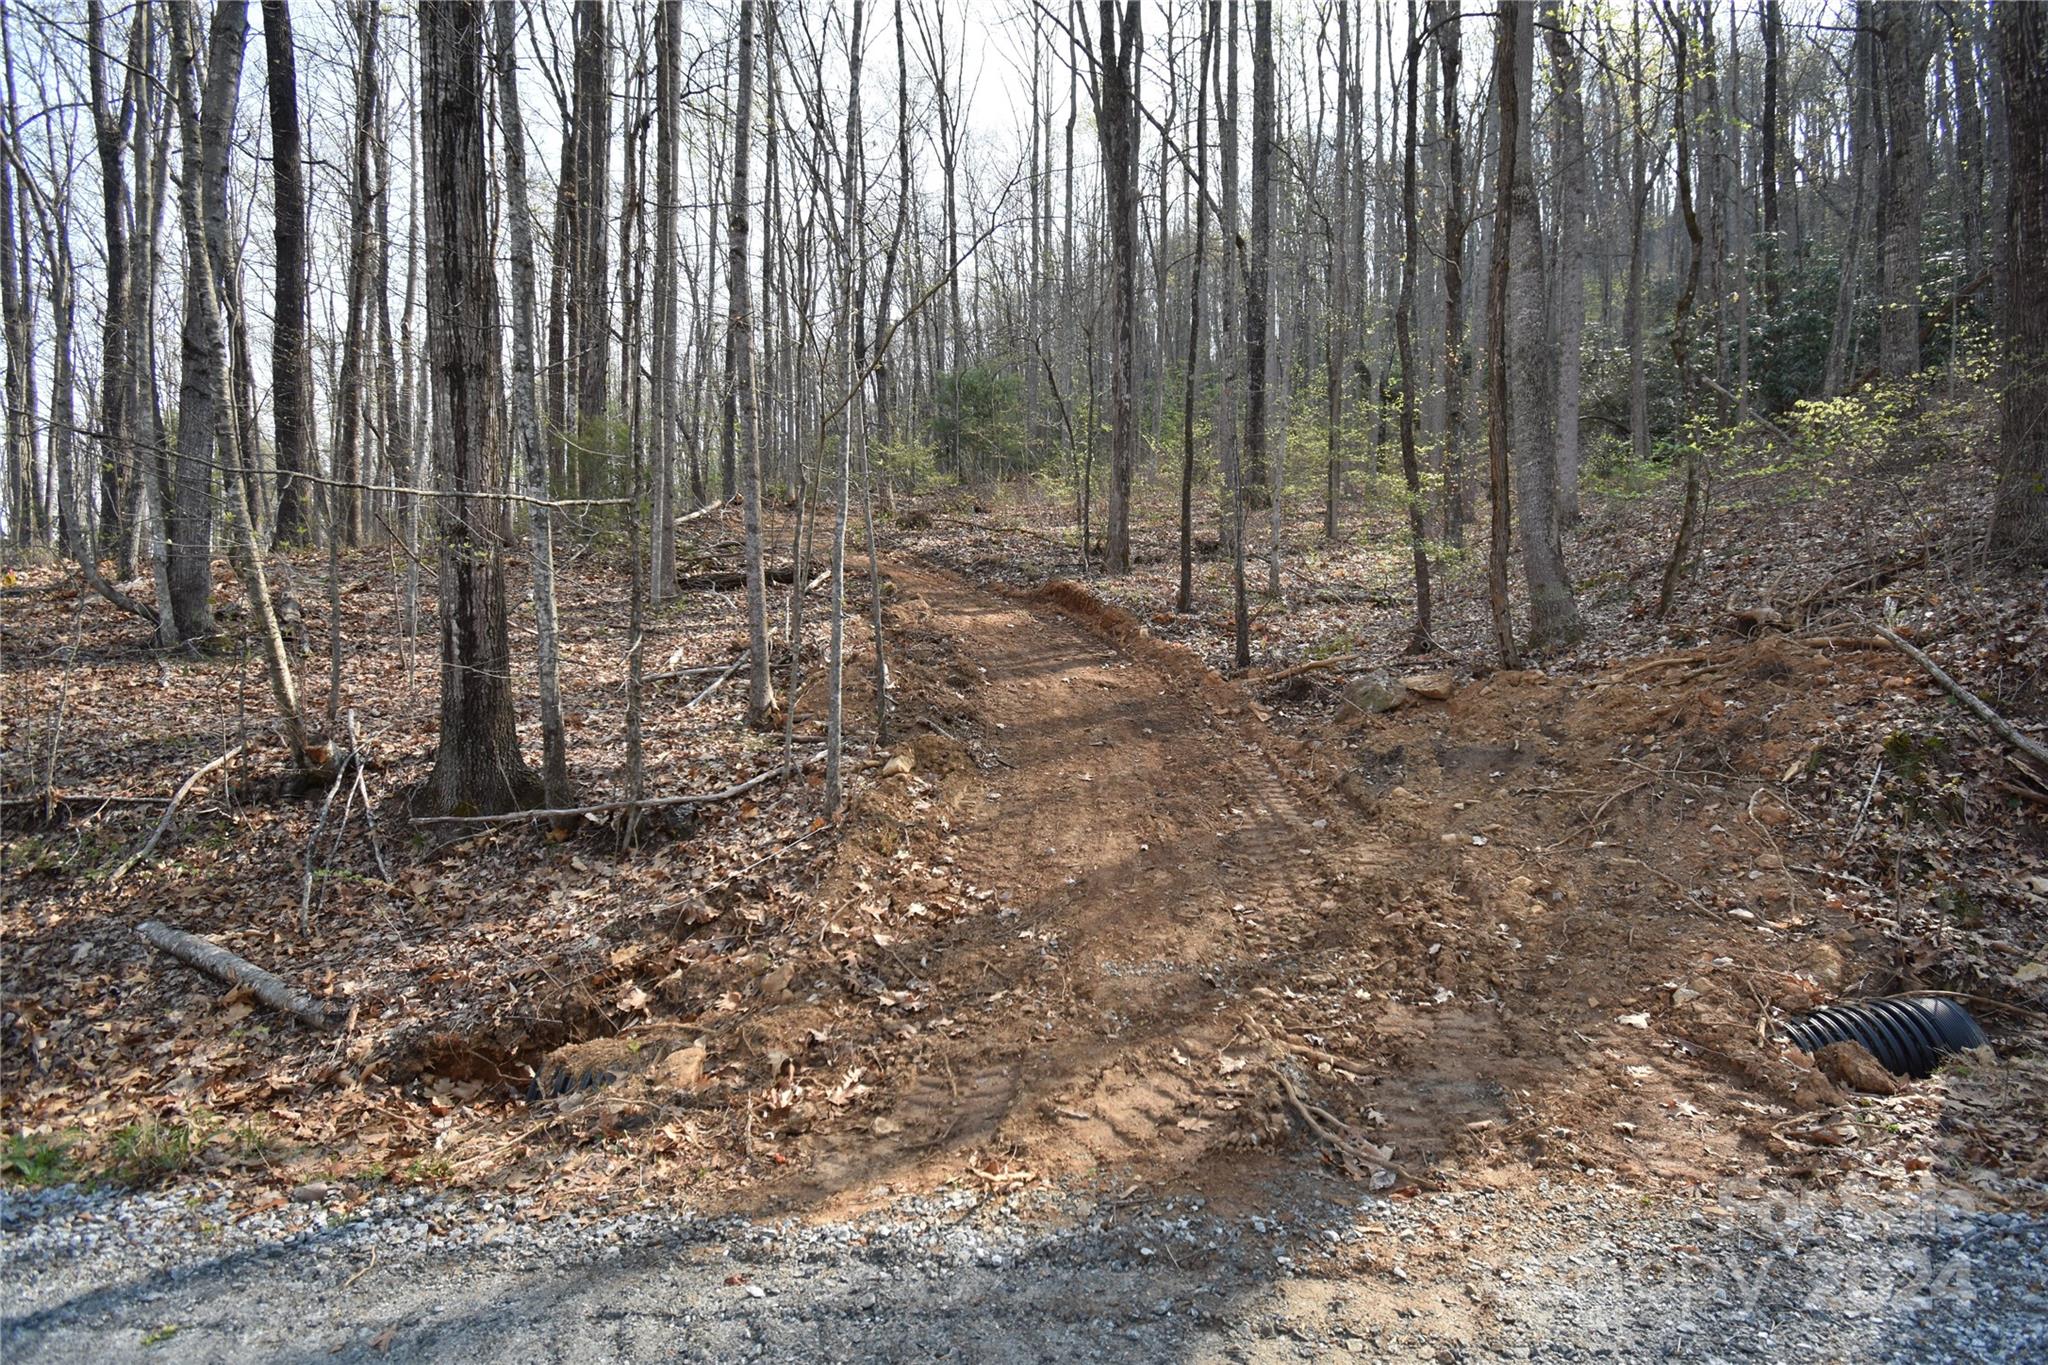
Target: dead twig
x,y
363,789
161,825
341,768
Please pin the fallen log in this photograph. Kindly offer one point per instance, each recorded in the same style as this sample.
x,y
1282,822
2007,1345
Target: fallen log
x,y
219,963
726,580
1972,703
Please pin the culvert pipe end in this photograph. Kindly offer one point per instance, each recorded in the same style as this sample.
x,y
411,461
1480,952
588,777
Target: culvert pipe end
x,y
1908,1034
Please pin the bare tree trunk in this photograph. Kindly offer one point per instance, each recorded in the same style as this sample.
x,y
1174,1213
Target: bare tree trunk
x,y
1507,116
1229,316
852,384
1337,319
1569,110
21,453
199,219
1690,510
2019,517
532,455
291,372
351,470
1116,120
205,162
1863,151
1444,19
739,360
668,116
117,321
1634,310
589,303
1767,171
1184,601
1258,287
1404,325
478,769
1553,615
1903,51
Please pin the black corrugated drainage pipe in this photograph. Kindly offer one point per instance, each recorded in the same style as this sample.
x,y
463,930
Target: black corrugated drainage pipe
x,y
1909,1034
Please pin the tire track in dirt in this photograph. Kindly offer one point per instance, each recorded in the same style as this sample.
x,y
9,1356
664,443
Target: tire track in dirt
x,y
1158,866
1180,910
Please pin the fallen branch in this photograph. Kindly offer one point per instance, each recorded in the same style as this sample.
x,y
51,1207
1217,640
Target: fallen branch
x,y
1355,1153
218,962
609,807
1273,675
1843,641
1972,703
1766,423
184,788
720,680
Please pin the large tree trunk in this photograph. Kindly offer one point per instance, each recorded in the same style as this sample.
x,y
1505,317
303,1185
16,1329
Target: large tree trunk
x,y
533,459
739,366
1230,300
1690,511
291,371
2019,518
22,520
1767,169
1507,117
205,164
1569,111
1184,599
1116,120
1258,326
1553,615
1444,19
589,297
478,769
202,212
1904,49
110,133
668,116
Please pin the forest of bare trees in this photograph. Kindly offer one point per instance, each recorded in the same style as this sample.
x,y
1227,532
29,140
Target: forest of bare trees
x,y
493,285
1023,679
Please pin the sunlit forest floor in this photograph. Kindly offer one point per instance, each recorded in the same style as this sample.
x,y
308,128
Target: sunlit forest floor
x,y
1109,917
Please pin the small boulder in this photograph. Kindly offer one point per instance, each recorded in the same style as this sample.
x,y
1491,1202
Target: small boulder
x,y
1849,1064
1431,686
1374,693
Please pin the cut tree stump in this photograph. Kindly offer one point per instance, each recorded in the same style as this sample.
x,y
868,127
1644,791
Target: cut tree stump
x,y
218,962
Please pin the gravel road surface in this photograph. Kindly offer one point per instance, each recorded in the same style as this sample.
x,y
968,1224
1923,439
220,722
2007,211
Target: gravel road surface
x,y
1570,1274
